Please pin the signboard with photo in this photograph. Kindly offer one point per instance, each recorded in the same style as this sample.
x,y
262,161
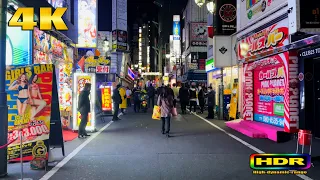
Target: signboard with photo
x,y
119,40
251,10
198,34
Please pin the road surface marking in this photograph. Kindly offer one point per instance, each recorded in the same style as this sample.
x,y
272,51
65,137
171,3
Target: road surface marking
x,y
64,161
304,177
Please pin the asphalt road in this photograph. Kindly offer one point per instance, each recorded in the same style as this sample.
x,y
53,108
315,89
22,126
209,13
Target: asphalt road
x,y
135,149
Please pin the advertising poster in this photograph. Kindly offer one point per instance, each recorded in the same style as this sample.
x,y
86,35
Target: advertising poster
x,y
81,81
250,10
176,27
87,24
106,99
41,41
119,40
269,84
198,34
225,22
264,40
57,47
19,45
40,57
29,99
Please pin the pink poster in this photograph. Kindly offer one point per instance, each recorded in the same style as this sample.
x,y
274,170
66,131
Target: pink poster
x,y
269,90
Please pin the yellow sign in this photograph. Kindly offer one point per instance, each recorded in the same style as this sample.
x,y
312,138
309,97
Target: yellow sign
x,y
46,19
234,102
91,61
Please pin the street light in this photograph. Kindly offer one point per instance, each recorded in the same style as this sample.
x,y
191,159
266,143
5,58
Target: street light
x,y
168,56
211,6
200,3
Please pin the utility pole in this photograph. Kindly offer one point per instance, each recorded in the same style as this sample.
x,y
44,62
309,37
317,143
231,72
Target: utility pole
x,y
3,94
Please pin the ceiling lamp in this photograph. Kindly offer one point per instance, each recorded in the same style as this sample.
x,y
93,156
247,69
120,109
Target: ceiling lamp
x,y
211,6
200,3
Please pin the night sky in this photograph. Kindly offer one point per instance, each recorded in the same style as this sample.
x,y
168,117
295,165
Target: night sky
x,y
145,9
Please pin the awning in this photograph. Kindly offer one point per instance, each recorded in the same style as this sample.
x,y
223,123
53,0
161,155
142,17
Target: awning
x,y
197,76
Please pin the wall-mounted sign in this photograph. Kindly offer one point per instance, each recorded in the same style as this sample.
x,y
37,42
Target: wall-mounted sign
x,y
103,69
119,40
251,10
87,24
210,65
176,27
225,21
310,14
264,40
193,65
92,62
106,99
198,34
201,64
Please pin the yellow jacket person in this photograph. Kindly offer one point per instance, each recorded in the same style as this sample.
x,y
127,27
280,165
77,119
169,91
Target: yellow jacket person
x,y
122,92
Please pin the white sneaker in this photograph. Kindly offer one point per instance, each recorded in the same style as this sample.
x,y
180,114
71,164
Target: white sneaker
x,y
120,114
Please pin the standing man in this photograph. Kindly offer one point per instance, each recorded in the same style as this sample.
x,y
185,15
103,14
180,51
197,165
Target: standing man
x,y
136,99
211,102
128,93
84,109
184,98
151,93
193,98
116,102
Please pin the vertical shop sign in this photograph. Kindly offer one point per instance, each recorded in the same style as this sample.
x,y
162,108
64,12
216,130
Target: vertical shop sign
x,y
225,22
87,24
202,64
29,99
198,34
264,40
176,27
248,92
294,91
106,99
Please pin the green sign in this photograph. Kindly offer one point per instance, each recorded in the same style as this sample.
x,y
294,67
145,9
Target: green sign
x,y
210,65
278,109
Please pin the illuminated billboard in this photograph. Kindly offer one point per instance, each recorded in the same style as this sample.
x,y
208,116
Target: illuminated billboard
x,y
87,24
18,45
176,27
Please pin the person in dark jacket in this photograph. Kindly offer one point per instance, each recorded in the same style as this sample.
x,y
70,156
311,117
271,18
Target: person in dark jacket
x,y
151,94
84,109
117,100
211,102
201,98
193,98
171,93
136,99
184,98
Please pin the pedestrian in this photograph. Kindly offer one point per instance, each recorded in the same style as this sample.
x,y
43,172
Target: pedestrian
x,y
211,102
128,93
184,98
136,99
151,93
165,101
123,105
171,93
84,109
193,98
201,99
117,100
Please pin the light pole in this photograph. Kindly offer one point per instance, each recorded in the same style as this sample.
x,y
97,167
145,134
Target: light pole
x,y
3,94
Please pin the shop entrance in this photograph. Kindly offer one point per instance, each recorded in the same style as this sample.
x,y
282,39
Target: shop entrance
x,y
312,95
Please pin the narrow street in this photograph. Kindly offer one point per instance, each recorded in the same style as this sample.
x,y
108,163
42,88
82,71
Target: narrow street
x,y
135,149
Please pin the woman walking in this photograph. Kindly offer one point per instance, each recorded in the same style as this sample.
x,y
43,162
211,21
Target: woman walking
x,y
165,101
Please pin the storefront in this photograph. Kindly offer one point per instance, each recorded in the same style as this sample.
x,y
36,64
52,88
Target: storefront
x,y
49,50
309,77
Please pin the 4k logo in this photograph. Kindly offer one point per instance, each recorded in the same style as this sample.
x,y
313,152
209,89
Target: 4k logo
x,y
223,50
46,19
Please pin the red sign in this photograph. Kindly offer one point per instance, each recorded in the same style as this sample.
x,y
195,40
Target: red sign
x,y
106,99
264,40
202,64
102,69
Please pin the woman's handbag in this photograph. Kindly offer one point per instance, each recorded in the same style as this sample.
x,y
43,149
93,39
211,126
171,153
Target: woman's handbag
x,y
174,112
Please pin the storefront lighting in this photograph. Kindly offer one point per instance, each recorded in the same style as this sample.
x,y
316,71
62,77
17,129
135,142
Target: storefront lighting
x,y
211,6
140,30
140,64
136,65
168,56
200,3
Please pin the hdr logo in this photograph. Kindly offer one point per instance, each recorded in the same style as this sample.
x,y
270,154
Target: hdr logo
x,y
280,162
24,18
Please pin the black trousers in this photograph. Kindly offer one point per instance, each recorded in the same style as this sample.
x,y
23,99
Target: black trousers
x,y
210,112
165,120
183,106
136,106
83,123
129,102
116,111
194,105
201,104
151,102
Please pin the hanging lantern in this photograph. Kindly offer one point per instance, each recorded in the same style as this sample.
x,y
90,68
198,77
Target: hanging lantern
x,y
200,3
211,6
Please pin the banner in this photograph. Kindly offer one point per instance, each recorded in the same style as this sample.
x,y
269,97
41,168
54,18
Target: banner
x,y
87,24
269,38
251,10
29,96
269,84
106,99
198,34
